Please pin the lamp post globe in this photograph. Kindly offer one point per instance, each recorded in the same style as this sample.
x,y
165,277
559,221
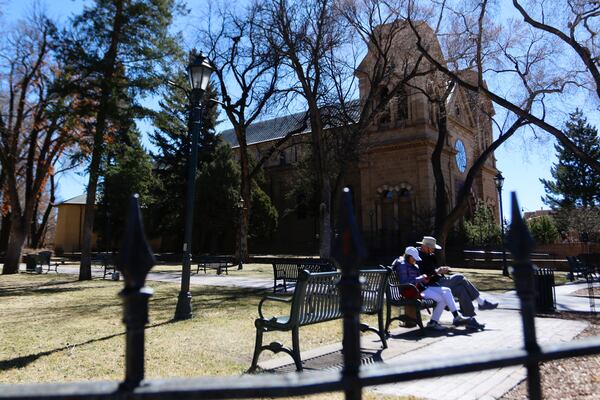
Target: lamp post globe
x,y
499,181
199,71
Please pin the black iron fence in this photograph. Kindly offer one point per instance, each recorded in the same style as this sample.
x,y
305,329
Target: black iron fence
x,y
137,259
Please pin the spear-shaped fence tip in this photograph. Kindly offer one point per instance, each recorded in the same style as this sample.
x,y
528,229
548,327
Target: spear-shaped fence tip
x,y
519,241
349,247
136,256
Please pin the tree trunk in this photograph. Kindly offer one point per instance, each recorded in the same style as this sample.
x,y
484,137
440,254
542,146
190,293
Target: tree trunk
x,y
38,233
441,199
325,220
246,193
15,246
109,59
5,231
85,266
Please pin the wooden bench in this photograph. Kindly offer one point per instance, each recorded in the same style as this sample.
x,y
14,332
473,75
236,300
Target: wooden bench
x,y
396,296
317,299
218,263
287,270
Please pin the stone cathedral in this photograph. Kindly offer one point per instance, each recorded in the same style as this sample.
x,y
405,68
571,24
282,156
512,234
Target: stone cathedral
x,y
392,181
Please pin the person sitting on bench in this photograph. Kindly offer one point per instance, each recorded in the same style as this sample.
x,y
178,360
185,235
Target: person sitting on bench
x,y
408,271
461,287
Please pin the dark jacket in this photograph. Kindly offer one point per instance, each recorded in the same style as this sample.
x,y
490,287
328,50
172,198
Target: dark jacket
x,y
428,263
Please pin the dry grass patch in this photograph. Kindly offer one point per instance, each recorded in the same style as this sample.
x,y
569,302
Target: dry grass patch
x,y
57,329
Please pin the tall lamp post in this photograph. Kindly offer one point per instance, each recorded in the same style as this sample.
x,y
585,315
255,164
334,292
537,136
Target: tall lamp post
x,y
199,70
499,179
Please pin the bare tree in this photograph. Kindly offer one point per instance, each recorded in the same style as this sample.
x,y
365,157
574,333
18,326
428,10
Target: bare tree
x,y
534,63
248,73
35,130
321,41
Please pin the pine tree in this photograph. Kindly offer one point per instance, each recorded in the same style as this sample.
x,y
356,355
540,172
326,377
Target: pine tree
x,y
128,171
575,183
171,138
115,51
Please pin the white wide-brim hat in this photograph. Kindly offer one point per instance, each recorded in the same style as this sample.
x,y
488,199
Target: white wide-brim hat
x,y
430,241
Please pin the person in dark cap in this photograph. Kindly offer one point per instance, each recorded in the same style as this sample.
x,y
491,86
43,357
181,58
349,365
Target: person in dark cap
x,y
461,287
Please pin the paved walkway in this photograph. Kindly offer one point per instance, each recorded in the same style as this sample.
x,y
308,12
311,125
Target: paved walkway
x,y
407,346
209,279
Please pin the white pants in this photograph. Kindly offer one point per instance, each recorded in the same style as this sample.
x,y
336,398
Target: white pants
x,y
443,297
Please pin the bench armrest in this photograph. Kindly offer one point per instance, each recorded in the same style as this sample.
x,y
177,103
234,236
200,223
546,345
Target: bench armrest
x,y
271,298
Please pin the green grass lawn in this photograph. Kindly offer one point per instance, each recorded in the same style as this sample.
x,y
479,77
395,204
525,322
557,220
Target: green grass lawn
x,y
56,329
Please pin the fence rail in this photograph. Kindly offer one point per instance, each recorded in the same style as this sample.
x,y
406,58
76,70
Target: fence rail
x,y
351,379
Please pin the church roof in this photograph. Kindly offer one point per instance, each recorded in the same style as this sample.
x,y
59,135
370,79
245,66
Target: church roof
x,y
271,129
277,128
75,200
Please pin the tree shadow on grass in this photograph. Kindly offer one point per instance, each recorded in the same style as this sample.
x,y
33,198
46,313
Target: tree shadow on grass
x,y
44,288
23,361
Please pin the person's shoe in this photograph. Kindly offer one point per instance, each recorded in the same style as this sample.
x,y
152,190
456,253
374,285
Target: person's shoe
x,y
435,326
473,324
460,320
488,305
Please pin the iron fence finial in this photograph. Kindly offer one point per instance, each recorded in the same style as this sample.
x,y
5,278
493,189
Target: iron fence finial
x,y
136,258
135,261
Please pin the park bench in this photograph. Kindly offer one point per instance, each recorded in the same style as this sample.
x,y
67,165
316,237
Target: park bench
x,y
407,297
106,262
583,266
287,270
317,299
218,263
41,259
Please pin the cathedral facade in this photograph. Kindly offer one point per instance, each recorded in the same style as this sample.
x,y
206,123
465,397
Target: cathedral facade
x,y
393,180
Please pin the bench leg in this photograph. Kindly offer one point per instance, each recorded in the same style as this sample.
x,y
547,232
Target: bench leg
x,y
388,317
381,330
257,349
296,348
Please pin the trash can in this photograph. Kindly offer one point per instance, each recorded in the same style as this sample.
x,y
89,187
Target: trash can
x,y
545,300
30,262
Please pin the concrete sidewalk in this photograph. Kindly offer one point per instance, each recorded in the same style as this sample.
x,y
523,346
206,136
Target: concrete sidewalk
x,y
210,279
407,346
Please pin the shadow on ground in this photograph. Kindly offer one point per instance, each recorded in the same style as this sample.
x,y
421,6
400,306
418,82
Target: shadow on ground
x,y
23,361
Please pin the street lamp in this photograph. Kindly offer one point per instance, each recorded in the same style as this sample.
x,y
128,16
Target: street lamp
x,y
499,180
199,70
240,206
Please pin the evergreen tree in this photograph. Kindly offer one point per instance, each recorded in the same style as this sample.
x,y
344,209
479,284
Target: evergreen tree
x,y
128,171
115,51
543,229
575,183
171,138
482,229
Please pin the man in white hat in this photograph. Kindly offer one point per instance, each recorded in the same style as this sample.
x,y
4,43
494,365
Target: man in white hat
x,y
408,271
461,287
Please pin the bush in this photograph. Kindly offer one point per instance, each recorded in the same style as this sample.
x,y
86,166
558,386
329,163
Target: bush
x,y
543,229
482,229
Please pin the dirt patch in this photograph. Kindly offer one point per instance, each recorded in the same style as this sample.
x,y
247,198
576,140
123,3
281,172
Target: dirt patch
x,y
573,378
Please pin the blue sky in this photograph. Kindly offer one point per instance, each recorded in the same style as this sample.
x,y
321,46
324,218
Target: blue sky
x,y
521,161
